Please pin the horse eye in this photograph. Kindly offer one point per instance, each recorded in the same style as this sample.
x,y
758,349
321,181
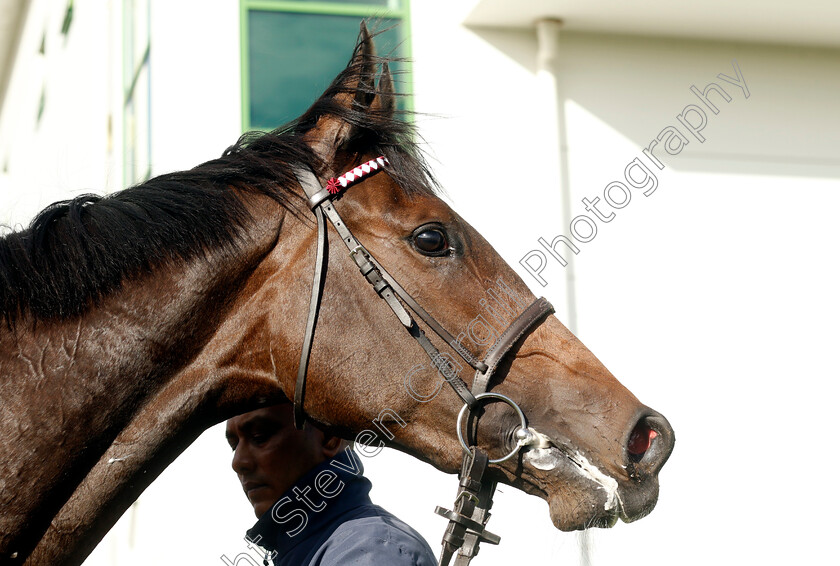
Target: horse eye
x,y
431,241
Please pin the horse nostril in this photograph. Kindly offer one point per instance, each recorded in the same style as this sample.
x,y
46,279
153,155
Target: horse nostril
x,y
650,443
640,440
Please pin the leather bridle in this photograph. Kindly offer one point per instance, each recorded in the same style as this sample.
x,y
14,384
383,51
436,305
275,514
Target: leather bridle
x,y
471,510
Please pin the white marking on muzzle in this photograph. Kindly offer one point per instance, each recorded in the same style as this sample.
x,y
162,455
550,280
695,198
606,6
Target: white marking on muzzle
x,y
546,456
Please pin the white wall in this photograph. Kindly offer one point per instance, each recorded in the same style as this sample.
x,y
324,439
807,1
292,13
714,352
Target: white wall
x,y
71,151
712,299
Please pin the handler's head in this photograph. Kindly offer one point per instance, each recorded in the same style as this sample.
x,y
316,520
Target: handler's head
x,y
270,455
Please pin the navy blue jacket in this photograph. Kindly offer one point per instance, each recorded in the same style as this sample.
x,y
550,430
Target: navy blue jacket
x,y
328,519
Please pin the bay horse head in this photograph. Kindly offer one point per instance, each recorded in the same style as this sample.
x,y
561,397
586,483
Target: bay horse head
x,y
135,321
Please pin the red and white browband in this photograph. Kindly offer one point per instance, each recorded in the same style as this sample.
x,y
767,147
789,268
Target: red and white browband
x,y
337,184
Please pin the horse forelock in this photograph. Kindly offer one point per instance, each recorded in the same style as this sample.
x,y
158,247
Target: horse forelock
x,y
77,251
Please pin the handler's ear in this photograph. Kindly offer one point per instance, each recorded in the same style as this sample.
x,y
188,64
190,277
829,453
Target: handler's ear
x,y
331,446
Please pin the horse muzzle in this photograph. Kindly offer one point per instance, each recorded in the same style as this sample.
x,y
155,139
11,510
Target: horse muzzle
x,y
590,496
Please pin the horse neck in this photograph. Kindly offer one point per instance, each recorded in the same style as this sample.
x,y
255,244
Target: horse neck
x,y
70,386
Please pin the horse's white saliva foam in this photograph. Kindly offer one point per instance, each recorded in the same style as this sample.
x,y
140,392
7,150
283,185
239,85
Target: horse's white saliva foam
x,y
609,484
546,456
542,454
112,460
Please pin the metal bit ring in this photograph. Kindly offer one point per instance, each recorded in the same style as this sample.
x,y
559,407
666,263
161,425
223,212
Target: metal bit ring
x,y
504,399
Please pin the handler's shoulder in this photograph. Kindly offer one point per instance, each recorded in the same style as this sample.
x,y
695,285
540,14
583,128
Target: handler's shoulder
x,y
374,538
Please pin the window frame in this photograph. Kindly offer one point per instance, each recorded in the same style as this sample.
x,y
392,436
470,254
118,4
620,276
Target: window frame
x,y
132,68
327,8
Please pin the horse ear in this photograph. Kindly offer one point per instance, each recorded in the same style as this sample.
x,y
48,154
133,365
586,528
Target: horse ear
x,y
365,57
357,93
386,98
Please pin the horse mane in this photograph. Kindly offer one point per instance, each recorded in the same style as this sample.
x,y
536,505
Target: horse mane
x,y
77,251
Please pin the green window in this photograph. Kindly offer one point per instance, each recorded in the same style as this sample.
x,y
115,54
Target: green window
x,y
291,51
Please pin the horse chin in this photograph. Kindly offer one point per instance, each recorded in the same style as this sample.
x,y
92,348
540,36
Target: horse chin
x,y
584,513
580,504
586,497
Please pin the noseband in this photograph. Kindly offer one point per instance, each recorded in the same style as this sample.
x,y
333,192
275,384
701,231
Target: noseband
x,y
471,511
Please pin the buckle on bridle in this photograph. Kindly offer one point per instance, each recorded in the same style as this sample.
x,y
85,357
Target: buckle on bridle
x,y
468,495
357,249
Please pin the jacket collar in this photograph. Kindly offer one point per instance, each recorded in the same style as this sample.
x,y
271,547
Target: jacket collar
x,y
279,529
